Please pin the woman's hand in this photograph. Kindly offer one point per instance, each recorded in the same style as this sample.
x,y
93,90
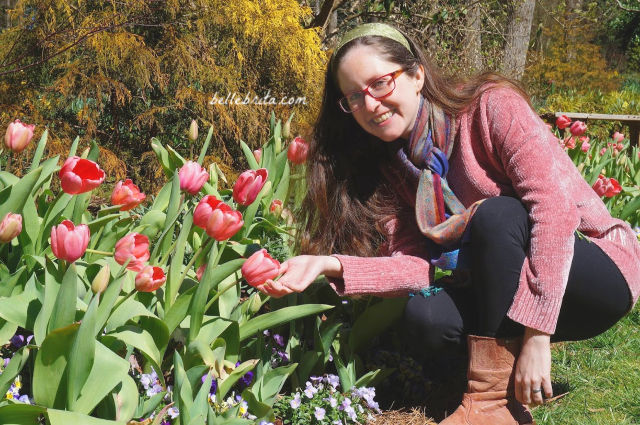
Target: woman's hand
x,y
300,272
533,369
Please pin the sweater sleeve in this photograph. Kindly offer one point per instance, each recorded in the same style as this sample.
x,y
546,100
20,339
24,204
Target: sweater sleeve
x,y
406,269
537,167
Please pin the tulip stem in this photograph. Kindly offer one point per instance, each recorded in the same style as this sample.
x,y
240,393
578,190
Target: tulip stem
x,y
219,293
165,257
119,303
194,258
221,248
8,168
95,251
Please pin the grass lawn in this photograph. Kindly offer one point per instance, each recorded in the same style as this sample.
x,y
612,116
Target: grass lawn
x,y
601,377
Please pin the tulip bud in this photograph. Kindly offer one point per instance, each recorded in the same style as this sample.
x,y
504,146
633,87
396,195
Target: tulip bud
x,y
150,278
192,177
619,147
259,268
200,271
255,302
276,207
69,242
79,175
101,281
617,137
193,131
248,185
297,152
563,122
18,136
10,227
286,129
257,154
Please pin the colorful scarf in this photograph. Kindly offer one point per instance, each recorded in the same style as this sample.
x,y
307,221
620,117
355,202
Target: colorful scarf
x,y
441,217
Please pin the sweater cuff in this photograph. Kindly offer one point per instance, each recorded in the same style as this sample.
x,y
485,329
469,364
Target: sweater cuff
x,y
535,309
360,279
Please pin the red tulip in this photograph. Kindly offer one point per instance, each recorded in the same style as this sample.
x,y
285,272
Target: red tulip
x,y
619,147
192,177
150,278
79,175
10,227
217,218
563,122
127,194
276,207
298,149
259,268
606,186
248,185
257,154
133,247
69,242
617,137
18,136
578,128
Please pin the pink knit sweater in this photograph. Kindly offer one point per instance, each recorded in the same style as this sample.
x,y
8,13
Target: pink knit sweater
x,y
504,148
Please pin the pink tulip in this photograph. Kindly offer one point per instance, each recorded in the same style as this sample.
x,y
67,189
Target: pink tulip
x,y
619,147
150,278
192,177
257,154
10,227
259,268
127,194
200,271
248,185
297,152
585,145
570,142
79,175
617,137
69,242
18,136
606,186
563,122
276,207
217,218
133,247
578,128
603,151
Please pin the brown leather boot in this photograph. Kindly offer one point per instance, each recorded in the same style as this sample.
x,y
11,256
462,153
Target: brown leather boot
x,y
489,399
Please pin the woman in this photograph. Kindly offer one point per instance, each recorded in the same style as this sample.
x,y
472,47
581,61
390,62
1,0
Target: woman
x,y
408,170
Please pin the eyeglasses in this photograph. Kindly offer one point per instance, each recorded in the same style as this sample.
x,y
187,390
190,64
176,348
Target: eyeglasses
x,y
378,89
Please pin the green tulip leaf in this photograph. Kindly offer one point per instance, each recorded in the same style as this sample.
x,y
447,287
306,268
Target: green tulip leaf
x,y
82,354
248,153
267,387
13,198
14,367
174,275
21,309
64,309
20,414
203,151
61,417
275,318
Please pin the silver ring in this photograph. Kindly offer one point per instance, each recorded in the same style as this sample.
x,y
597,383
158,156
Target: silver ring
x,y
537,390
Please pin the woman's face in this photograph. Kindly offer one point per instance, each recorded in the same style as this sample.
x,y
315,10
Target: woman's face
x,y
389,118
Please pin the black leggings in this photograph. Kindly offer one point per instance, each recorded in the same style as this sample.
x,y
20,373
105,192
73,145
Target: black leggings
x,y
596,296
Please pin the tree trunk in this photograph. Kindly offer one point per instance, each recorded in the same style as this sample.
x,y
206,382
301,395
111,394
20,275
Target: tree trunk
x,y
517,40
473,39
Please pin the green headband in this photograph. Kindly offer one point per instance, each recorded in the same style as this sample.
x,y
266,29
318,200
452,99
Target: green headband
x,y
375,28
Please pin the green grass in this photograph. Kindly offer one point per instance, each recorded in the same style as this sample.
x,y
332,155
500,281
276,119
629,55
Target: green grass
x,y
601,376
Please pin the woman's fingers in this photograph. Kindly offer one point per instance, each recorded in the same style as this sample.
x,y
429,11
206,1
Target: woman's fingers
x,y
546,387
536,393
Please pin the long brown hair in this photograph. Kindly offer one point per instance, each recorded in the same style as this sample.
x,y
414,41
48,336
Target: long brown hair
x,y
348,200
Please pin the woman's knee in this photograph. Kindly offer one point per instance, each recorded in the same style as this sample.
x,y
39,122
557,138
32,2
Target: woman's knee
x,y
433,324
498,216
